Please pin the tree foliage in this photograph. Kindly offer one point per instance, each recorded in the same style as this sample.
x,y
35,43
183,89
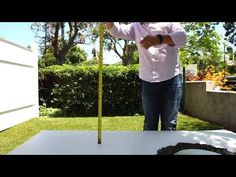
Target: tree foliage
x,y
124,49
203,45
74,56
60,37
230,33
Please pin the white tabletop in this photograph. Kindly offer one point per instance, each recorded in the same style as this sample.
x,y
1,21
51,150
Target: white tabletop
x,y
70,142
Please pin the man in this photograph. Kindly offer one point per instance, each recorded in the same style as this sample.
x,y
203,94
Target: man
x,y
159,68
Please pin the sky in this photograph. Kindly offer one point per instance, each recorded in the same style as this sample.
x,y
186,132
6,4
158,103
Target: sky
x,y
17,32
21,34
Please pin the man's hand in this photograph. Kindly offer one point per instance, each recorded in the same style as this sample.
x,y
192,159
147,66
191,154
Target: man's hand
x,y
109,24
149,41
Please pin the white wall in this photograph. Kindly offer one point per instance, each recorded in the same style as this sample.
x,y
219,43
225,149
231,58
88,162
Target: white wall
x,y
18,84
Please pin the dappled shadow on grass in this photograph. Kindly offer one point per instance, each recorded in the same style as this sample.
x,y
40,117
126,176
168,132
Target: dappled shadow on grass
x,y
194,126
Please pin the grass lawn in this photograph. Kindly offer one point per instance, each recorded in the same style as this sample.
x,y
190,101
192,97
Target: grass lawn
x,y
17,135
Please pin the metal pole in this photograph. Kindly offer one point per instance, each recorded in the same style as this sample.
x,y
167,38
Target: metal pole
x,y
233,54
224,56
101,33
183,96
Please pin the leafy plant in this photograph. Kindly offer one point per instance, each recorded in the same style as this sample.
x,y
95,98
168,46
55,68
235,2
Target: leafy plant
x,y
211,74
203,45
49,112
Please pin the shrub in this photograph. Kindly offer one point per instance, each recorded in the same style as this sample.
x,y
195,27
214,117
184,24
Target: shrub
x,y
74,89
231,69
49,112
210,73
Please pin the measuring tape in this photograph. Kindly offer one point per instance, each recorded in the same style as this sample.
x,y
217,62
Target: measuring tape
x,y
101,34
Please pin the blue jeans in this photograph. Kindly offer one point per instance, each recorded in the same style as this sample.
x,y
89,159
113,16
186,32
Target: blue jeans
x,y
161,99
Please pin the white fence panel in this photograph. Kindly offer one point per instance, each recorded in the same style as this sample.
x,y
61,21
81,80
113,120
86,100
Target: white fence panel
x,y
18,84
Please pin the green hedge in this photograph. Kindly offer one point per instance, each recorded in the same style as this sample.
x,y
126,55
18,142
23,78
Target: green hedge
x,y
74,90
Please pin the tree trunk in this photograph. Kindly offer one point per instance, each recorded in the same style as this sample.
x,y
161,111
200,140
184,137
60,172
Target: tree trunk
x,y
61,57
125,61
59,60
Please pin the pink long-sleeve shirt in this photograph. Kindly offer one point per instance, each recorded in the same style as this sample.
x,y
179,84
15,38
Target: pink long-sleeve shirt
x,y
160,62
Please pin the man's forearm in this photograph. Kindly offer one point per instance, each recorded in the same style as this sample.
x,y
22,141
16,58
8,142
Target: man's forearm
x,y
149,41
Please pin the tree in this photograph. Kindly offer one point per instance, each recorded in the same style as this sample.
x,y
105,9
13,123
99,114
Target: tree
x,y
60,37
47,59
202,45
230,52
124,49
74,56
130,53
230,33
